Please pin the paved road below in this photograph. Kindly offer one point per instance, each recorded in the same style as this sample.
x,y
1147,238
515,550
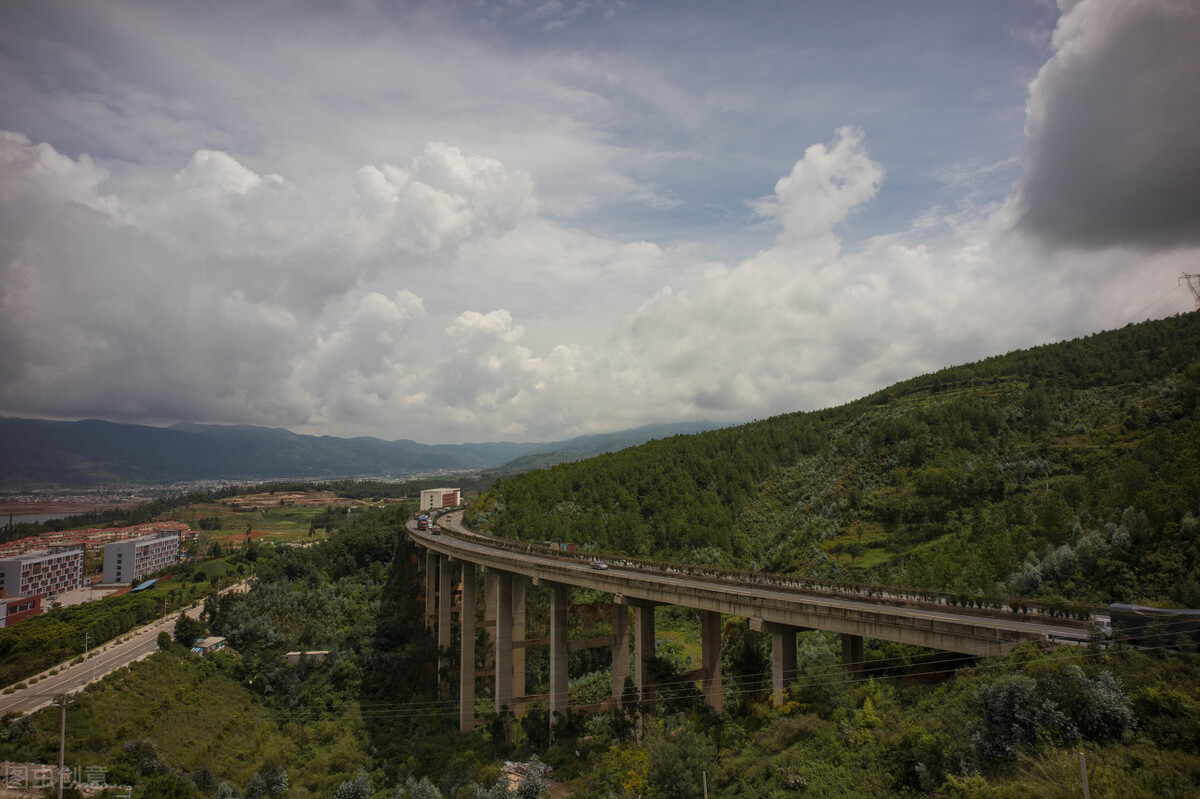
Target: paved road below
x,y
137,645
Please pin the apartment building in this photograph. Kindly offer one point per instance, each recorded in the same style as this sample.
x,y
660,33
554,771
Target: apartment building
x,y
133,558
48,572
433,498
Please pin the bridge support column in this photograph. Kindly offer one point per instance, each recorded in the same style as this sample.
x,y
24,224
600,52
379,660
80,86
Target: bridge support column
x,y
489,610
466,670
620,651
518,634
445,619
783,661
430,588
503,641
643,651
783,658
489,596
852,656
710,643
559,643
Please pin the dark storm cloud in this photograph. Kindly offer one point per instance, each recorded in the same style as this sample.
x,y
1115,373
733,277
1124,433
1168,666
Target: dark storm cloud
x,y
1114,128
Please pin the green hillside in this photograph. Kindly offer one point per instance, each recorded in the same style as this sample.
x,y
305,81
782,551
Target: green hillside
x,y
369,721
1071,469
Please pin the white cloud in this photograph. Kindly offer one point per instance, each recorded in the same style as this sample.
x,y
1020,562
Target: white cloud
x,y
215,170
824,187
507,227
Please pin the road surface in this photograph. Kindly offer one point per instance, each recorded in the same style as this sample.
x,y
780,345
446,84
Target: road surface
x,y
137,645
475,547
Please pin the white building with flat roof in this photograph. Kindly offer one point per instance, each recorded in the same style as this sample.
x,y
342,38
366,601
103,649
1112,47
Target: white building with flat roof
x,y
125,561
47,572
432,498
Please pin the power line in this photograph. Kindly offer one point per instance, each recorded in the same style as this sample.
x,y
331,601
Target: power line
x,y
1193,284
814,678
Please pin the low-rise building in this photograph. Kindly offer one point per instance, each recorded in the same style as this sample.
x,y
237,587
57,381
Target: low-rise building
x,y
47,572
433,498
134,558
209,644
18,608
317,655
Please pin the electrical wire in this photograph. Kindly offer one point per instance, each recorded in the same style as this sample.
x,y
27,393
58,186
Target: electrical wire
x,y
826,676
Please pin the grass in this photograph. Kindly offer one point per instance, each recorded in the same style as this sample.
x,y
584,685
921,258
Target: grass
x,y
197,714
287,522
679,633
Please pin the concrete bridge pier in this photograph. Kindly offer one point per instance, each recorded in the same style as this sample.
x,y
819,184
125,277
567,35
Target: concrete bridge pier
x,y
489,612
518,634
466,670
502,601
489,593
445,620
783,655
643,651
559,646
852,656
710,656
783,660
431,558
620,649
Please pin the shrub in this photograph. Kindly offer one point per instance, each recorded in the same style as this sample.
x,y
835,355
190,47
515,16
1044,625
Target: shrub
x,y
1061,704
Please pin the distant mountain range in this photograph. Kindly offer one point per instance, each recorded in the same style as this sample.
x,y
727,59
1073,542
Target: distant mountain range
x,y
36,453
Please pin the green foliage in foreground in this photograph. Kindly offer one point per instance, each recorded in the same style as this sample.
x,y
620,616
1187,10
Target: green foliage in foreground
x,y
1008,727
1070,470
43,641
246,718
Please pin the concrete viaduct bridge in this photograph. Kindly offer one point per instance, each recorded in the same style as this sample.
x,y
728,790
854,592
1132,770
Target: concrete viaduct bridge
x,y
779,609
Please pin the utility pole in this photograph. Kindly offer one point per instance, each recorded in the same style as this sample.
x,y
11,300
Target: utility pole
x,y
63,700
1193,284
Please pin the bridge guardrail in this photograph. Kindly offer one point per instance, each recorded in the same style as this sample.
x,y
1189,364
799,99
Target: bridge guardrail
x,y
1066,613
758,606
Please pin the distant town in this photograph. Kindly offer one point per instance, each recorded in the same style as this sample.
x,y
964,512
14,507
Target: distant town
x,y
74,566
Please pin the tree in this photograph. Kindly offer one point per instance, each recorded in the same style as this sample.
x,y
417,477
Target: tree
x,y
275,778
675,761
256,788
188,630
204,780
357,788
164,640
533,785
172,785
417,789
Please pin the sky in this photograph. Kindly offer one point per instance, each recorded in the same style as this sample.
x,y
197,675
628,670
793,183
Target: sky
x,y
528,220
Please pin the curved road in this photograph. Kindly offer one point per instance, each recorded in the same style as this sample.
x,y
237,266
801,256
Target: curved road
x,y
772,602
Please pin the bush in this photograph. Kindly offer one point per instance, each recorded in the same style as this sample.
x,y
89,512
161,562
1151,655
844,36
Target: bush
x,y
674,762
1061,704
1168,716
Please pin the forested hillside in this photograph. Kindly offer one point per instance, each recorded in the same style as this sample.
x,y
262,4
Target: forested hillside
x,y
1071,469
368,721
